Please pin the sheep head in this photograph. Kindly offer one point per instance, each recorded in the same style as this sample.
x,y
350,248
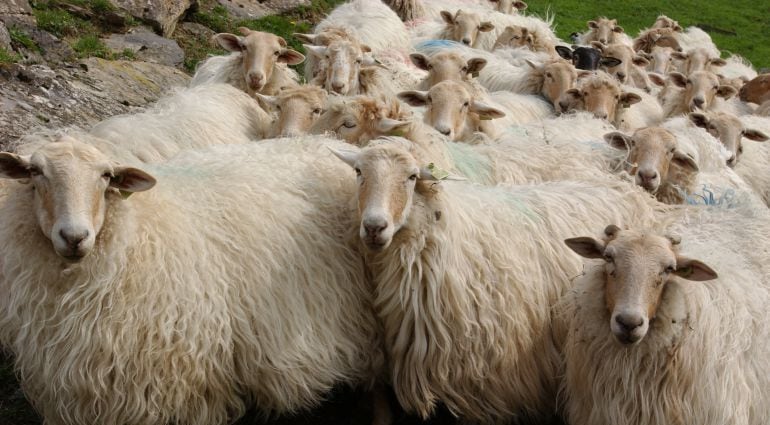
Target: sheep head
x,y
72,182
701,89
515,36
260,51
599,94
637,268
343,61
651,153
296,109
447,66
729,130
360,119
698,59
510,7
604,30
465,27
621,69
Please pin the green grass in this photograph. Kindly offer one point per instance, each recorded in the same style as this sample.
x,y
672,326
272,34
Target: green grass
x,y
737,27
8,57
61,23
20,37
91,45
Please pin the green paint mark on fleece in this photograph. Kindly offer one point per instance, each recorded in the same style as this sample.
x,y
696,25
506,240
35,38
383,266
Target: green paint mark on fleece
x,y
470,163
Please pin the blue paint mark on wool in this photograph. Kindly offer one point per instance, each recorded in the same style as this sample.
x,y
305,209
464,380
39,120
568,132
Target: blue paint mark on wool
x,y
433,46
712,197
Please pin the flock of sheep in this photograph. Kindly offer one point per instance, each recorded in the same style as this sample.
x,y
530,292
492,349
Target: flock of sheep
x,y
458,205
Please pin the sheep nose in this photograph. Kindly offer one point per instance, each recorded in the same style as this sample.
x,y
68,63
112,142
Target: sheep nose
x,y
563,106
601,115
648,176
731,161
375,226
629,322
445,131
603,40
338,87
73,239
255,80
466,41
698,101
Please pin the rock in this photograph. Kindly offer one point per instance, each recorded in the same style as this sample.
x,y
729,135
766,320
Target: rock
x,y
251,9
5,37
147,46
35,97
197,30
15,7
49,47
163,15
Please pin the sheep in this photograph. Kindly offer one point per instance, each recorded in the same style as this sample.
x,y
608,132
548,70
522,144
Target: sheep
x,y
729,130
698,59
457,111
660,59
370,22
521,37
464,27
686,343
586,58
257,63
313,64
625,107
694,37
649,39
296,109
182,304
757,90
446,65
191,118
666,166
699,90
464,278
664,21
605,31
347,71
510,7
630,70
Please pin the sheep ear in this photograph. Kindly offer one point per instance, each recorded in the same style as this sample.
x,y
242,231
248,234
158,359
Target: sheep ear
x,y
129,179
347,156
14,166
699,119
639,60
414,97
598,45
618,29
388,126
291,57
582,73
755,135
609,61
628,99
532,64
574,93
244,31
475,65
486,26
586,247
520,5
447,17
691,269
564,52
229,42
726,91
365,48
678,28
684,160
485,111
678,79
306,38
718,62
317,51
419,60
679,55
592,24
657,79
618,140
267,100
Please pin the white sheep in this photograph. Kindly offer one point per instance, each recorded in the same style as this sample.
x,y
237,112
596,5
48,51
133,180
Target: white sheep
x,y
227,284
257,64
701,90
295,109
465,276
370,22
686,341
605,31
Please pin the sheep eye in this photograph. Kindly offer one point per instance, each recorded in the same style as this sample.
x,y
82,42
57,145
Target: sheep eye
x,y
277,107
466,104
413,177
716,87
107,175
516,37
358,172
276,53
349,124
548,75
317,111
34,171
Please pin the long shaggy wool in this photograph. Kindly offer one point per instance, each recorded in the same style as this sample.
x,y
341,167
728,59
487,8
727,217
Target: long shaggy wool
x,y
704,359
228,69
754,164
465,290
371,22
227,284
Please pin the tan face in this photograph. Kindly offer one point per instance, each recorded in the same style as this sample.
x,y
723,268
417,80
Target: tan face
x,y
757,90
296,109
359,119
628,59
465,26
71,182
664,21
729,130
447,66
515,37
260,52
342,65
386,178
599,95
638,266
510,7
701,88
450,108
661,60
604,30
558,77
698,60
651,151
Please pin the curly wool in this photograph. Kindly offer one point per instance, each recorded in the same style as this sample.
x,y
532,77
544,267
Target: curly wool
x,y
179,315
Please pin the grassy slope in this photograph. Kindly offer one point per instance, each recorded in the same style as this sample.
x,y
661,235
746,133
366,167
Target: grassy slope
x,y
738,26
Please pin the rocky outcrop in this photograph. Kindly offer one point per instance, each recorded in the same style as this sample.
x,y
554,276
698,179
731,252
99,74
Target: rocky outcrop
x,y
147,46
163,15
5,37
36,96
250,9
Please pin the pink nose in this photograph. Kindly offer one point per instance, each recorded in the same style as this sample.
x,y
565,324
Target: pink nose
x,y
255,81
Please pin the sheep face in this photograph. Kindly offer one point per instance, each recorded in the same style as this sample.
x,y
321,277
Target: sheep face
x,y
664,21
626,56
360,119
637,268
604,30
445,66
558,77
386,179
729,130
465,26
757,90
700,89
296,109
515,37
343,60
260,52
71,182
651,152
510,7
600,95
660,59
451,109
698,60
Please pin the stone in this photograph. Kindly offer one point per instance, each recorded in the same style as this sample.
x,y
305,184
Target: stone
x,y
15,7
163,15
5,37
251,9
147,46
